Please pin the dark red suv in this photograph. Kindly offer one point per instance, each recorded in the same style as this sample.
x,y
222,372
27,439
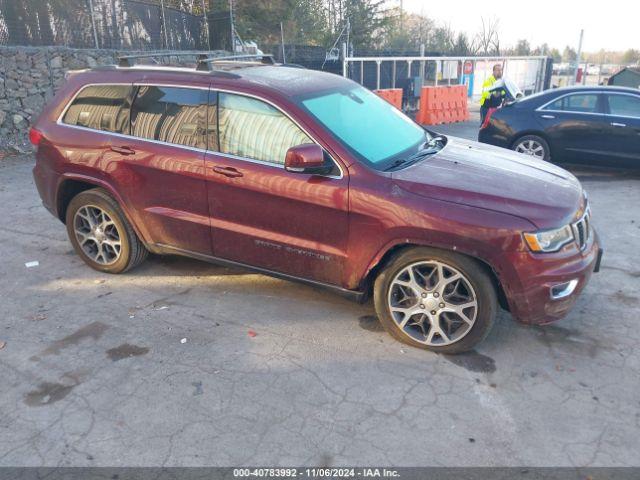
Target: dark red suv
x,y
309,176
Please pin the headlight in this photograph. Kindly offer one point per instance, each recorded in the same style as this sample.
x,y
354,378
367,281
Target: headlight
x,y
549,240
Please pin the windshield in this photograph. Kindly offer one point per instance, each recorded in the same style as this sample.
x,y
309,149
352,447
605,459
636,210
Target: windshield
x,y
367,125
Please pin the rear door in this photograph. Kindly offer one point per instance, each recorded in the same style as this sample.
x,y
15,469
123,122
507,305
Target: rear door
x,y
262,215
575,125
160,166
623,138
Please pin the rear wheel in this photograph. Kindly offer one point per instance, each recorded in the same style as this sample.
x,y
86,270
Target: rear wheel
x,y
533,145
101,234
435,300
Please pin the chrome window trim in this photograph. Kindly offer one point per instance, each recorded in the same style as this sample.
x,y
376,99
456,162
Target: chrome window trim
x,y
597,92
212,88
177,145
543,108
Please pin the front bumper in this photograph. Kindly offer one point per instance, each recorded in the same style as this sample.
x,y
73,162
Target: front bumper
x,y
549,285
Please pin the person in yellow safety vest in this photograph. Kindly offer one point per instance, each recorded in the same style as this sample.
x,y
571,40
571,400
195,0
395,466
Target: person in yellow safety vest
x,y
491,99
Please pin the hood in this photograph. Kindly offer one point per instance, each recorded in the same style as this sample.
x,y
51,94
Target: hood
x,y
493,178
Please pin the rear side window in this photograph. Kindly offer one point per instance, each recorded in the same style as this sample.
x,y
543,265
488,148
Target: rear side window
x,y
579,102
101,107
171,114
254,129
624,105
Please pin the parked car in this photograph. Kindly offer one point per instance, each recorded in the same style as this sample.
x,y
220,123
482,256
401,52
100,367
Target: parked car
x,y
307,175
575,124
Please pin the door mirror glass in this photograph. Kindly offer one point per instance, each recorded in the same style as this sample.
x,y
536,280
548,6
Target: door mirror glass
x,y
306,158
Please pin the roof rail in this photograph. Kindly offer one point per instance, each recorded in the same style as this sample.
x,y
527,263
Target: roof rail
x,y
125,61
206,62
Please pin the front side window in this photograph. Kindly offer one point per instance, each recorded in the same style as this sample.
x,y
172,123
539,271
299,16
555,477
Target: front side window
x,y
624,105
251,128
367,125
101,107
579,102
171,114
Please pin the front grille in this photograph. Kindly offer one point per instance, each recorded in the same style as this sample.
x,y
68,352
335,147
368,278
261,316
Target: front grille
x,y
581,230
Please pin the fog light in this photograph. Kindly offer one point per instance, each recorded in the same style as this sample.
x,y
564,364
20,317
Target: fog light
x,y
563,290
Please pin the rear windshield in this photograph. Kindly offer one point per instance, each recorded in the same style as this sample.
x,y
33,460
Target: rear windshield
x,y
373,130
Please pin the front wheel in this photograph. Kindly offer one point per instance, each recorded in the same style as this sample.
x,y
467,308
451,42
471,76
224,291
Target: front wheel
x,y
533,145
435,300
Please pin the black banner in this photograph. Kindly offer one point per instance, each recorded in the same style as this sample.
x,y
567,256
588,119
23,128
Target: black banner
x,y
417,473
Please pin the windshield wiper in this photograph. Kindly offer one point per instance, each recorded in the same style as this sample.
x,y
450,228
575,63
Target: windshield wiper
x,y
413,158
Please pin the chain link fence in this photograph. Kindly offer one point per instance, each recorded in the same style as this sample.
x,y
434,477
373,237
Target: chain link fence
x,y
111,24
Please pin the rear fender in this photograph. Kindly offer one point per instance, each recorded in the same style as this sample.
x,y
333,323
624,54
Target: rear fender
x,y
129,214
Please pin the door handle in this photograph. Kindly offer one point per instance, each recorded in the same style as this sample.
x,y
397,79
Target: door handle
x,y
227,171
547,116
616,124
123,150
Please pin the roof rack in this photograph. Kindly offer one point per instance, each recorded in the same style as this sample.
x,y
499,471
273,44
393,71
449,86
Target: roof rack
x,y
205,60
127,60
206,63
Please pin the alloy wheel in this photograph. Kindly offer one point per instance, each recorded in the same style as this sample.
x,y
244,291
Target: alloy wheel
x,y
433,303
97,235
531,147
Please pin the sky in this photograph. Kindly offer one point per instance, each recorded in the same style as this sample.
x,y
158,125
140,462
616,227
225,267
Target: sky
x,y
614,25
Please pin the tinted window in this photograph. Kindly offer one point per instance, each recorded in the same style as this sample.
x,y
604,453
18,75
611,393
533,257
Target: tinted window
x,y
370,127
254,129
171,114
579,102
101,107
624,105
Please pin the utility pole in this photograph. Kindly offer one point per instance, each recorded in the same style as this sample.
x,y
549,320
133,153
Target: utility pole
x,y
206,22
401,16
164,23
233,30
348,37
578,55
93,23
284,58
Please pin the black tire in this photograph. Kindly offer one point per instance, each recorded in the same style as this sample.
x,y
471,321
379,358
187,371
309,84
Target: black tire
x,y
132,250
534,138
474,273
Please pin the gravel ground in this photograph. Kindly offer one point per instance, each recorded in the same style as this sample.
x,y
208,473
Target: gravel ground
x,y
184,363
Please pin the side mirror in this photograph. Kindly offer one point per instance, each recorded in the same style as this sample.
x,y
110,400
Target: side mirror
x,y
307,158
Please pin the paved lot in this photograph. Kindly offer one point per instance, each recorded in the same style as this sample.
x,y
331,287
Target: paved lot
x,y
94,372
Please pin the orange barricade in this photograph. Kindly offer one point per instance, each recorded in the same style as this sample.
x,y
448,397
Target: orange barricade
x,y
391,95
443,105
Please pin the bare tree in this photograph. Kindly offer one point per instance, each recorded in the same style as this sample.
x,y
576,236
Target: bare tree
x,y
488,39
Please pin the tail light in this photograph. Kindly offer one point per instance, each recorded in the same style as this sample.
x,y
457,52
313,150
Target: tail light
x,y
487,118
35,136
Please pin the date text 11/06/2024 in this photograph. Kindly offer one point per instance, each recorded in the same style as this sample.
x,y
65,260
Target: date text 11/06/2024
x,y
316,472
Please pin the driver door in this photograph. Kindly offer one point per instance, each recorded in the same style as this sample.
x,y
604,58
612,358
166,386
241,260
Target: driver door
x,y
262,215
